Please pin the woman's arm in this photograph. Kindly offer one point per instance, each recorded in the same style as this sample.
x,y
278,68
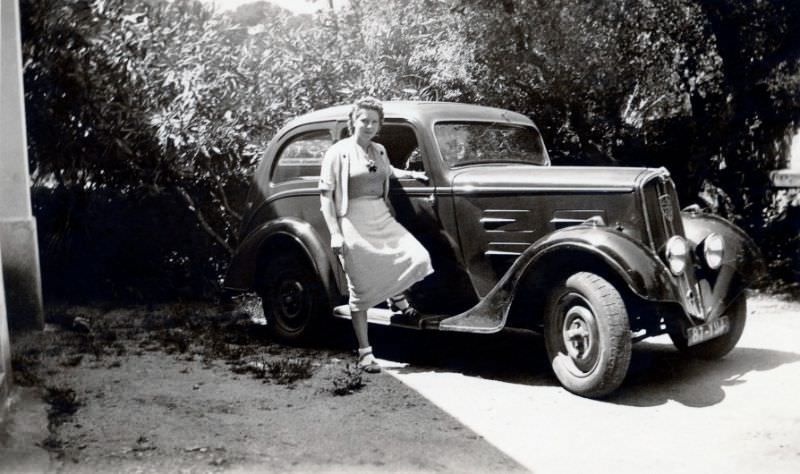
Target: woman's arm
x,y
398,173
328,208
328,184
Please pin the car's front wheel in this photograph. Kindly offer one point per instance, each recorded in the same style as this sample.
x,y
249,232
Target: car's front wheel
x,y
293,298
587,335
719,346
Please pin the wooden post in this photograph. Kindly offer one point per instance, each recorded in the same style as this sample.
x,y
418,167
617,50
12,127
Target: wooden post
x,y
18,240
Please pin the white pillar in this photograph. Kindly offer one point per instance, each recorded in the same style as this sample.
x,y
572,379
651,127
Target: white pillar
x,y
5,349
18,242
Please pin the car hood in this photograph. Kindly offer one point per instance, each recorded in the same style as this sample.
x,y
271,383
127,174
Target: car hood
x,y
544,178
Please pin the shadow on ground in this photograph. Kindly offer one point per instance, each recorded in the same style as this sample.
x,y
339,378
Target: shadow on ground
x,y
658,372
510,356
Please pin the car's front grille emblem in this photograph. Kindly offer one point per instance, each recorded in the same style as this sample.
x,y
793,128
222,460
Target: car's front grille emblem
x,y
665,202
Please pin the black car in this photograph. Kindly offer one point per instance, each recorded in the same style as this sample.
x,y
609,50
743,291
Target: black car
x,y
593,258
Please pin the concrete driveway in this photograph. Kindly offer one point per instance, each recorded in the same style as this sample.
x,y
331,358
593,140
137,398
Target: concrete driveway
x,y
673,414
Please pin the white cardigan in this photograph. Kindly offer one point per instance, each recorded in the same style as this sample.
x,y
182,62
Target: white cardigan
x,y
335,172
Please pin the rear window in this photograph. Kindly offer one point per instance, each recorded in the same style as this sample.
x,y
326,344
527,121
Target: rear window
x,y
301,157
465,143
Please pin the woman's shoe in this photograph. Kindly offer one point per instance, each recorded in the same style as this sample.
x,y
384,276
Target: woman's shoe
x,y
408,316
367,362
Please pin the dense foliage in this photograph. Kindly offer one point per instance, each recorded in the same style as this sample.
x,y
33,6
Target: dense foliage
x,y
145,117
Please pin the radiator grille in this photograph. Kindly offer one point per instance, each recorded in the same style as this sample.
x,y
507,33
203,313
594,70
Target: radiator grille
x,y
663,214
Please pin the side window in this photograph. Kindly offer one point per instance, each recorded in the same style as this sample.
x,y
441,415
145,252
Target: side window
x,y
401,145
301,157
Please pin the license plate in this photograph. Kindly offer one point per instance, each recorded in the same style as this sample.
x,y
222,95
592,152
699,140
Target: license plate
x,y
709,330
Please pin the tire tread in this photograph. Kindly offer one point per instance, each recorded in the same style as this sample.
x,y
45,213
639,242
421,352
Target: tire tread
x,y
610,303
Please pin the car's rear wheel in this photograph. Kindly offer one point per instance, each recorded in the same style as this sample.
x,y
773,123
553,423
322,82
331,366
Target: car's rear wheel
x,y
293,298
587,335
719,346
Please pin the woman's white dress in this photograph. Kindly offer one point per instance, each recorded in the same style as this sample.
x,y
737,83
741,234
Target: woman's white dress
x,y
380,257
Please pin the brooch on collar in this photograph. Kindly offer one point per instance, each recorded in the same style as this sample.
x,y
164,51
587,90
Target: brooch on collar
x,y
371,166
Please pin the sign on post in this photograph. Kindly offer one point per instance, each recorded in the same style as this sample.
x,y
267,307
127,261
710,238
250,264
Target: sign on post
x,y
788,178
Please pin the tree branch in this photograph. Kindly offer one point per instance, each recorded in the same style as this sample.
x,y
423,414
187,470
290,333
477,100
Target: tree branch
x,y
223,197
203,222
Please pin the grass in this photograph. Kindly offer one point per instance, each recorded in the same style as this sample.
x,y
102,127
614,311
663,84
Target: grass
x,y
290,370
234,334
25,369
107,337
63,403
348,381
104,336
283,371
62,400
175,340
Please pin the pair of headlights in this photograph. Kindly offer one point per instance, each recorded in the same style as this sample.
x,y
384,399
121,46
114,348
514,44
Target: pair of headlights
x,y
712,249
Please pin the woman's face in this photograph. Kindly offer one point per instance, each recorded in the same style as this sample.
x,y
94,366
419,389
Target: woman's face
x,y
366,124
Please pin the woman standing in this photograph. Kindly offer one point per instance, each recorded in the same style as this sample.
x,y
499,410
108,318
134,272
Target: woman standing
x,y
380,257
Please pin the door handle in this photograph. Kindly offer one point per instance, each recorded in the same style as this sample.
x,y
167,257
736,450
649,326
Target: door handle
x,y
430,199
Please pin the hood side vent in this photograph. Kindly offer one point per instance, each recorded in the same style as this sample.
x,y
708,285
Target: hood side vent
x,y
570,217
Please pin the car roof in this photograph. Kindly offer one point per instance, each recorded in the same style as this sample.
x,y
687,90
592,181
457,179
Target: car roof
x,y
425,112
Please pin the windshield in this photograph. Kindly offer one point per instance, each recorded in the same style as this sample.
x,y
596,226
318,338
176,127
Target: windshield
x,y
463,143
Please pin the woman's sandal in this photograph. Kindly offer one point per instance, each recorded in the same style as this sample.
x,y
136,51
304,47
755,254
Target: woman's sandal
x,y
408,315
367,362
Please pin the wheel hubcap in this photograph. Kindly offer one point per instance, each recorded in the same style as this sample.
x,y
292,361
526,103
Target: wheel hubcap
x,y
579,335
290,298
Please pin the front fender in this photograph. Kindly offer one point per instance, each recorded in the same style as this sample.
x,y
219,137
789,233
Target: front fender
x,y
241,274
742,255
638,266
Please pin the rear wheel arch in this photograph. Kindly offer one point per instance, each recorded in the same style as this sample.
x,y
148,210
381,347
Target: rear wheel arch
x,y
276,244
306,247
286,271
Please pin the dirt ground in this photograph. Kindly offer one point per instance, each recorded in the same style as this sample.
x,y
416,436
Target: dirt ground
x,y
191,388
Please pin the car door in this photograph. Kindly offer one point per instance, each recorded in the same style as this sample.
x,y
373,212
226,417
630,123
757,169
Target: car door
x,y
416,205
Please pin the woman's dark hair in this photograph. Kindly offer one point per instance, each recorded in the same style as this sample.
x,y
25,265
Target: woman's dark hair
x,y
370,103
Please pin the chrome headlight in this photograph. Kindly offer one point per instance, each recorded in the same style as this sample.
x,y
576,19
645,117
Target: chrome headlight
x,y
677,253
713,250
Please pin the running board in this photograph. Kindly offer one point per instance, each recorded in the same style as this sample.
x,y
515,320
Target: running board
x,y
470,321
386,317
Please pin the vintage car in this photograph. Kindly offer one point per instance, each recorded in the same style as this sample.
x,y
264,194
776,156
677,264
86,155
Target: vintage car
x,y
593,258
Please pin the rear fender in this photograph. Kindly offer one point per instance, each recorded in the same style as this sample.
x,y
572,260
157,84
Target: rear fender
x,y
243,271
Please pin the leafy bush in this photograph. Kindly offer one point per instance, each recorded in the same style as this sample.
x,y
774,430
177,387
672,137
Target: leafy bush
x,y
146,118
